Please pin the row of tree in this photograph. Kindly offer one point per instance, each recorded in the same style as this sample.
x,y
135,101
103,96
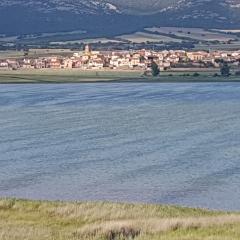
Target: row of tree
x,y
224,69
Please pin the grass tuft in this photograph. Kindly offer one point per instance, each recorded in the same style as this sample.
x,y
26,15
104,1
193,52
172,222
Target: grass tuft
x,y
42,220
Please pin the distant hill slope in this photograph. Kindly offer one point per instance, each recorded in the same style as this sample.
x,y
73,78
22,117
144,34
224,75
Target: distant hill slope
x,y
146,7
114,16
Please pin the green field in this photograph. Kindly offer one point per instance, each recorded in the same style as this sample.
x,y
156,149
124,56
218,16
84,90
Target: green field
x,y
141,37
79,76
65,76
42,220
215,39
35,53
194,33
87,41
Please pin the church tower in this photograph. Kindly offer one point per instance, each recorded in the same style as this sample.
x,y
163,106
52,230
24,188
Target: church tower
x,y
87,49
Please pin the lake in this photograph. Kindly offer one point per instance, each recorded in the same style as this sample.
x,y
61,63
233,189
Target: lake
x,y
133,142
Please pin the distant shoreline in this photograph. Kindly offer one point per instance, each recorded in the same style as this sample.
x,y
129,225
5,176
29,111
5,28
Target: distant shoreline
x,y
110,76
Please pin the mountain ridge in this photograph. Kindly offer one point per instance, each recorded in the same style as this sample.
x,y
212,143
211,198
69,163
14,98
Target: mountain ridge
x,y
111,16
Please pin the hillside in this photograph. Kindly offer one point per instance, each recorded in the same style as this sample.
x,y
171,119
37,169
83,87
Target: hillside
x,y
111,17
146,7
41,220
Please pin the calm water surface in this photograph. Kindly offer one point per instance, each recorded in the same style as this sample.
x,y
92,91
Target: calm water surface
x,y
160,143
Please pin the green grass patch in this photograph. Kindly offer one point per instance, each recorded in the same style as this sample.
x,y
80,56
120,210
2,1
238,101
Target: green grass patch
x,y
80,76
44,220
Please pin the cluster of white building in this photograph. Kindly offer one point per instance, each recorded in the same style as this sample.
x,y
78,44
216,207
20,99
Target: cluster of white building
x,y
141,59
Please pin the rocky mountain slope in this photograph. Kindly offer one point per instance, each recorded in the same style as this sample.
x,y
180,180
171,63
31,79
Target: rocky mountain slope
x,y
114,16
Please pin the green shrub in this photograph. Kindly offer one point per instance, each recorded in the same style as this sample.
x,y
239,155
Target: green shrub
x,y
196,74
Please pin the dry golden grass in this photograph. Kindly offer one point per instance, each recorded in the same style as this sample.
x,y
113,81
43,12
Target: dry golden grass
x,y
41,220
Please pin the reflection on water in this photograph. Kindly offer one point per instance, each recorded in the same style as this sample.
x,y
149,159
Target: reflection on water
x,y
162,143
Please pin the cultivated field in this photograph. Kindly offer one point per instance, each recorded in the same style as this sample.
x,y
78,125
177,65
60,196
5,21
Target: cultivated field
x,y
42,35
39,220
228,30
194,33
34,53
228,47
88,41
140,37
216,37
208,39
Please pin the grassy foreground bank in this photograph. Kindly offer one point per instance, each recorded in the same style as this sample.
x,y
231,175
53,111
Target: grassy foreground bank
x,y
42,220
78,76
65,76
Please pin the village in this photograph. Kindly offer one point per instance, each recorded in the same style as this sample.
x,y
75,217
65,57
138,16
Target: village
x,y
126,60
